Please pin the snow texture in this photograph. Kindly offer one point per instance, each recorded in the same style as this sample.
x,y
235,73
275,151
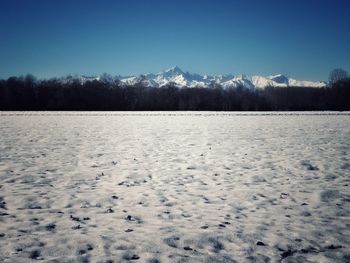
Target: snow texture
x,y
174,187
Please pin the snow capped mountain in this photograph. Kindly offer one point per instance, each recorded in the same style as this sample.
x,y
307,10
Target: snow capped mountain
x,y
171,72
271,81
239,81
282,81
305,83
179,78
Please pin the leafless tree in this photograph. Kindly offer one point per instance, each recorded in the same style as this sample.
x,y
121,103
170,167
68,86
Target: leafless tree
x,y
335,75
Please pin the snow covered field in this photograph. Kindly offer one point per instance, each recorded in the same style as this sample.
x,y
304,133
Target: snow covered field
x,y
174,187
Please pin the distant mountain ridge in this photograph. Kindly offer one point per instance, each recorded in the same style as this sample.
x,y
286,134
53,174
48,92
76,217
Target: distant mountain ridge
x,y
182,79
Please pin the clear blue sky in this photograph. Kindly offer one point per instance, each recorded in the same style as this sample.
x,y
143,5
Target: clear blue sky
x,y
303,39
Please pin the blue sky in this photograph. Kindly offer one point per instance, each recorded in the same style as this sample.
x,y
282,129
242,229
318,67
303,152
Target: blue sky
x,y
303,39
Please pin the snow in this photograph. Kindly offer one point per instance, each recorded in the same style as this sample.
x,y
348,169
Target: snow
x,y
130,80
280,79
239,81
181,79
174,70
297,83
174,187
262,82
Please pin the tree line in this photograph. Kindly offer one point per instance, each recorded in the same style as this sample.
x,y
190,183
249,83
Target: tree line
x,y
27,93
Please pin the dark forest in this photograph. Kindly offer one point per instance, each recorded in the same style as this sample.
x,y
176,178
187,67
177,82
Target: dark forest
x,y
27,93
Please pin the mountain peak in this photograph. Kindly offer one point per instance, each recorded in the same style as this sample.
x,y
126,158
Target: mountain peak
x,y
280,78
174,70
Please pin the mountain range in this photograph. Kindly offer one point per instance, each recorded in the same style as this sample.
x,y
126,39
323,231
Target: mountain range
x,y
181,79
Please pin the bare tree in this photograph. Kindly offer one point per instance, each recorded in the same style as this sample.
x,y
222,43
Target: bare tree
x,y
335,75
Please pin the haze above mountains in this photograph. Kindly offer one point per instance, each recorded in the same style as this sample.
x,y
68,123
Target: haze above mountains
x,y
182,79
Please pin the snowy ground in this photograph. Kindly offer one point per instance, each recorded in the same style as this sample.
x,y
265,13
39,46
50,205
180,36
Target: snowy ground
x,y
174,187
